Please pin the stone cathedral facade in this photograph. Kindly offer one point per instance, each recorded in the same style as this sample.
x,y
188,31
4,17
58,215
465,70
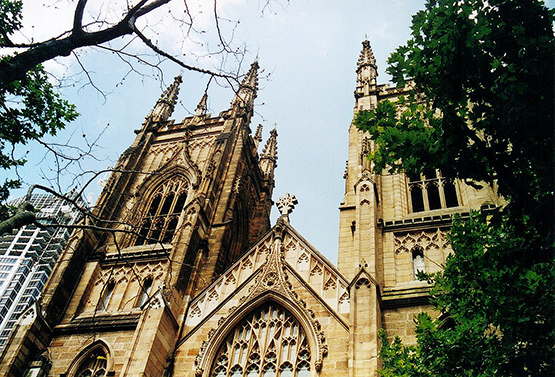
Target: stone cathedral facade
x,y
195,282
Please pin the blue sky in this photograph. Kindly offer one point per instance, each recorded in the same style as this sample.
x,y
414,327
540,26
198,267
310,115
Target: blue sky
x,y
309,49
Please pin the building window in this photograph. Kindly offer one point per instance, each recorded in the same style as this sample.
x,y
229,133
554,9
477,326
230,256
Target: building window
x,y
145,291
107,295
418,263
165,207
94,365
430,191
269,342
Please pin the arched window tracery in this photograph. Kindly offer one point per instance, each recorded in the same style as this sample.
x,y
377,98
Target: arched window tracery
x,y
161,219
94,364
269,342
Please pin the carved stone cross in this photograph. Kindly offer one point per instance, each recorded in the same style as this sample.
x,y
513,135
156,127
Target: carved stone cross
x,y
286,204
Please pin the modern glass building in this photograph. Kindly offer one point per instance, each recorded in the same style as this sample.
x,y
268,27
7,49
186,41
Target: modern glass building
x,y
28,255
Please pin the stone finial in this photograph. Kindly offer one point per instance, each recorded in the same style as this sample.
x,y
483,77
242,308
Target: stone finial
x,y
268,158
270,149
286,204
367,73
366,56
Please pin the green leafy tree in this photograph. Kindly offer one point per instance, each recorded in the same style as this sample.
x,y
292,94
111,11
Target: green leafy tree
x,y
30,108
485,70
483,112
498,309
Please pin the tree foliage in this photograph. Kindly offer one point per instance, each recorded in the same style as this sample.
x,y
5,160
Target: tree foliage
x,y
498,308
30,108
483,112
485,70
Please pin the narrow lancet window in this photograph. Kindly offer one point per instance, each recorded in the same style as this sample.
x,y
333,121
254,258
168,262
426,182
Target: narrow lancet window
x,y
107,295
418,263
145,291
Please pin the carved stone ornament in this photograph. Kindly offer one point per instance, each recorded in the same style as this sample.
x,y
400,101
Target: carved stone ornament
x,y
28,316
272,278
181,157
367,176
159,299
426,239
286,204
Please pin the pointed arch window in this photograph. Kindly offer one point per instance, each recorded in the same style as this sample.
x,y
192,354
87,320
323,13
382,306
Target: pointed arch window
x,y
107,295
418,263
94,364
269,342
160,221
145,292
431,190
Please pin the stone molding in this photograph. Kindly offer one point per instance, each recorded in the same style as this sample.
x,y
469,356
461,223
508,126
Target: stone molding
x,y
99,323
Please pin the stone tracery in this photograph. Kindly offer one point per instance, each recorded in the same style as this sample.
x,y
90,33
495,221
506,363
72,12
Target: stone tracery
x,y
272,281
160,221
268,341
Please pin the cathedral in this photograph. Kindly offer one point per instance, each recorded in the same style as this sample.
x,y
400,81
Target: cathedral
x,y
180,273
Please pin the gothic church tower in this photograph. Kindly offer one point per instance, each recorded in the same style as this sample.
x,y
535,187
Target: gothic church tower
x,y
391,226
184,201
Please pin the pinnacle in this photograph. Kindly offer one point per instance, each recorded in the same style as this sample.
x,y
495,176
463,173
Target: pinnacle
x,y
166,103
202,106
270,149
247,90
366,55
251,78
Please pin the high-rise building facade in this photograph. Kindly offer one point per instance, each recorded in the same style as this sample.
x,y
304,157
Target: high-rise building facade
x,y
27,256
183,275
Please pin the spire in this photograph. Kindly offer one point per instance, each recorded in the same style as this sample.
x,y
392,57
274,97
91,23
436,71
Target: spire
x,y
202,107
247,91
257,136
166,103
367,71
268,159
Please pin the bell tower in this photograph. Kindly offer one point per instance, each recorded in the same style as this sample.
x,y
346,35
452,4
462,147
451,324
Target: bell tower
x,y
391,227
183,203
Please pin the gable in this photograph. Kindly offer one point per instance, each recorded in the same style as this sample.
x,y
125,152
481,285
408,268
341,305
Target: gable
x,y
300,258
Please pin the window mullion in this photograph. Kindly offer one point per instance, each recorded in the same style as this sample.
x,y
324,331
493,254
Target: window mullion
x,y
441,185
424,185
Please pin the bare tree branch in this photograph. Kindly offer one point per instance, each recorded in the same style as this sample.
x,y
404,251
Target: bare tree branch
x,y
16,66
78,16
155,48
